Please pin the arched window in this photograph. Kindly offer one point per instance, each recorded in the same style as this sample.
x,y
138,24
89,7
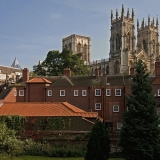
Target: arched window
x,y
118,41
100,71
145,45
128,41
116,67
79,48
154,47
70,46
85,52
107,69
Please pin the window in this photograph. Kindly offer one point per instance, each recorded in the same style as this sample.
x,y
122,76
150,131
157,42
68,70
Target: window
x,y
97,106
49,92
108,92
75,92
119,125
115,108
62,92
117,92
84,93
21,92
97,92
158,92
15,92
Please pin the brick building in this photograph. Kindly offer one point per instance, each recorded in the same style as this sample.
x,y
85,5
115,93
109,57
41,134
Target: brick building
x,y
103,94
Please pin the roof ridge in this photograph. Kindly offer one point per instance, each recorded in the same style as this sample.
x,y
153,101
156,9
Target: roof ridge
x,y
87,120
68,80
4,93
65,103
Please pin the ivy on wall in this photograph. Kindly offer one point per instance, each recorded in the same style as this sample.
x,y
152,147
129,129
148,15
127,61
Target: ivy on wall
x,y
14,122
48,123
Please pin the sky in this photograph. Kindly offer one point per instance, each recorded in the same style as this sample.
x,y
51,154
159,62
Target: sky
x,y
29,29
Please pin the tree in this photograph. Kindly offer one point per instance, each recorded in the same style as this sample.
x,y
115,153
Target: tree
x,y
140,132
98,146
55,63
9,143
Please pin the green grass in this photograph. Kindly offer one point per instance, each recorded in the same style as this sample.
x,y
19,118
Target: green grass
x,y
53,158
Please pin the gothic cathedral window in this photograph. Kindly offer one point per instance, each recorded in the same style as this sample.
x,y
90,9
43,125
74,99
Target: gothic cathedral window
x,y
85,52
118,40
70,46
116,68
153,47
128,41
107,69
145,45
79,48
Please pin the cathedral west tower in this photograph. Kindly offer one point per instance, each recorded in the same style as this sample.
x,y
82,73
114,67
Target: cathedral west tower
x,y
122,42
147,43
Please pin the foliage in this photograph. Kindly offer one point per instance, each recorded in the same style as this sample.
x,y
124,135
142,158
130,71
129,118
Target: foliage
x,y
139,134
98,146
52,150
32,74
13,122
115,151
55,63
9,143
48,123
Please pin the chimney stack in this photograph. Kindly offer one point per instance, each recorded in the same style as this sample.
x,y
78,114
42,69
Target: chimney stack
x,y
25,74
67,72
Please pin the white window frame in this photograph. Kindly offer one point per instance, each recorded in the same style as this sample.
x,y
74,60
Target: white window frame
x,y
96,92
119,125
116,92
84,93
62,91
49,93
98,105
21,92
158,92
116,108
15,93
75,92
108,91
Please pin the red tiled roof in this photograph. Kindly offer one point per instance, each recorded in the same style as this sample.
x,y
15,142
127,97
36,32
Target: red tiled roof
x,y
44,109
38,80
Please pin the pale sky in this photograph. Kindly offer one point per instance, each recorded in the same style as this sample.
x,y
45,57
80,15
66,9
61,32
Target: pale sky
x,y
31,28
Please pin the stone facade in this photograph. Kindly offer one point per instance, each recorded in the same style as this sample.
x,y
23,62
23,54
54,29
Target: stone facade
x,y
78,44
125,50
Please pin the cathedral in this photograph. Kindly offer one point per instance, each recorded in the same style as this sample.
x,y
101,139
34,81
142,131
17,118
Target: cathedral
x,y
125,47
78,44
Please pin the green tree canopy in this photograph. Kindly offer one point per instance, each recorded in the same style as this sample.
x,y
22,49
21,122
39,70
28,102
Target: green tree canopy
x,y
98,147
55,63
140,132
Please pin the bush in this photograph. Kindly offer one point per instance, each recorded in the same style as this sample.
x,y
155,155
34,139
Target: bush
x,y
51,150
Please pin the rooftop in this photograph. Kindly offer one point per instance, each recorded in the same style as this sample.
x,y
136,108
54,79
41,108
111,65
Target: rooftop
x,y
44,109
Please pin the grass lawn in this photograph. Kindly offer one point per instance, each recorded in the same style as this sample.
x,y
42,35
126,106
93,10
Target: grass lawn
x,y
48,158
